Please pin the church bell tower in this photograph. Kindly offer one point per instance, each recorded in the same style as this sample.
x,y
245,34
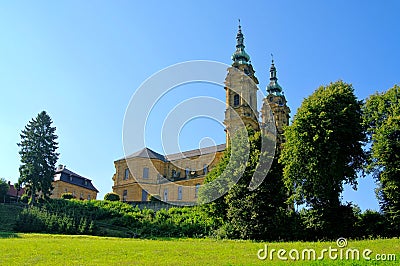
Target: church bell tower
x,y
241,91
277,103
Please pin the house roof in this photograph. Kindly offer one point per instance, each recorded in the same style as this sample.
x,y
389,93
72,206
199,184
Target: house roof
x,y
148,153
13,192
63,174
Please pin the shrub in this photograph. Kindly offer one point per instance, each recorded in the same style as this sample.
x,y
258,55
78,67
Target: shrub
x,y
372,224
111,196
113,218
4,187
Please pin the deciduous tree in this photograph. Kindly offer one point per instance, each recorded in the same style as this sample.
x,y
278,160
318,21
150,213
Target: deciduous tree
x,y
323,151
247,213
382,118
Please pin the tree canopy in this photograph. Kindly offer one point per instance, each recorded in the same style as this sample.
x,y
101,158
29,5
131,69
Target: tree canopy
x,y
323,148
247,213
38,156
382,119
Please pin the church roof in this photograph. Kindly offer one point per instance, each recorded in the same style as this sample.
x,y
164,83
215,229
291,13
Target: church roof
x,y
148,153
196,152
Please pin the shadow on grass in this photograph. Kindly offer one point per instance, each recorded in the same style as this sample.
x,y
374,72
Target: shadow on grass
x,y
8,235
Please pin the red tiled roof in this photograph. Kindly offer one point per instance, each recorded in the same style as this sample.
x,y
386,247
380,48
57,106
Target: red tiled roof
x,y
13,192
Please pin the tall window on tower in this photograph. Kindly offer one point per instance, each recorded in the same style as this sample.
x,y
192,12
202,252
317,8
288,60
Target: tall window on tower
x,y
126,176
236,100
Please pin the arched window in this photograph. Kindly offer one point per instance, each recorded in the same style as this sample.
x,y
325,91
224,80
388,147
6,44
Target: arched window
x,y
236,100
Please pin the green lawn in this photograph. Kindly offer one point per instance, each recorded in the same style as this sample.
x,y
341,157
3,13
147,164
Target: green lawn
x,y
37,249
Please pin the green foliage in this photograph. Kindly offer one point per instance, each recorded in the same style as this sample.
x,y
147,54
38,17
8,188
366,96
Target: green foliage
x,y
260,213
382,119
371,224
111,196
24,198
113,218
118,219
323,151
242,212
8,214
317,223
67,195
213,184
4,188
38,156
42,220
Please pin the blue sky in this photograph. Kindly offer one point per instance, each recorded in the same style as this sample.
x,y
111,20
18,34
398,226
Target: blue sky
x,y
81,61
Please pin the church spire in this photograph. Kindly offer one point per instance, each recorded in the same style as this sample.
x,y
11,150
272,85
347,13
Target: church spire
x,y
240,56
272,71
273,86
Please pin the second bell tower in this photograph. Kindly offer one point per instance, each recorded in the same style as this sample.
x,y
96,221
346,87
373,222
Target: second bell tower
x,y
276,101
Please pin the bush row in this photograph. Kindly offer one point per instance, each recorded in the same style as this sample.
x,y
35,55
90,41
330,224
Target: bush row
x,y
110,218
35,219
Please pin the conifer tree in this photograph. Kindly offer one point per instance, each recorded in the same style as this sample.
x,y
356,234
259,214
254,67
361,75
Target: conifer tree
x,y
38,156
4,187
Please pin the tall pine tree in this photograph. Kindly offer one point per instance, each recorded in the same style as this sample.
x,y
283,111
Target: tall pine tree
x,y
38,156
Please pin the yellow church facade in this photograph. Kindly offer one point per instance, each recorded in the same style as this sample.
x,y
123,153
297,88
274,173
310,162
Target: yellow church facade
x,y
173,178
176,178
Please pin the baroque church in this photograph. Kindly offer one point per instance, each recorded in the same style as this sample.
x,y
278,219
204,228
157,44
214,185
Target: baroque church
x,y
176,178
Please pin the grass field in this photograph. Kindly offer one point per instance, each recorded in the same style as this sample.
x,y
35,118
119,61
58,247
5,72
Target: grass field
x,y
38,249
